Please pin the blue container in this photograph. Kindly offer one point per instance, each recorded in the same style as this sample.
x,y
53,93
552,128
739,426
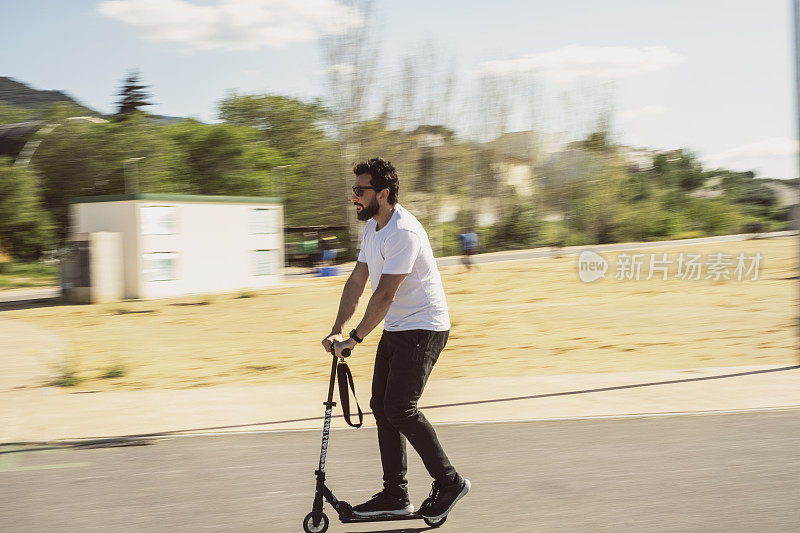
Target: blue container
x,y
323,272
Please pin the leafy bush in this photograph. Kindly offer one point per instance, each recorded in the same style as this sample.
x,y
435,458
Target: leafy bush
x,y
25,227
520,226
754,193
114,370
714,217
67,373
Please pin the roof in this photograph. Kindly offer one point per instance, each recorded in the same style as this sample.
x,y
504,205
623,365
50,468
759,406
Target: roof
x,y
176,198
14,136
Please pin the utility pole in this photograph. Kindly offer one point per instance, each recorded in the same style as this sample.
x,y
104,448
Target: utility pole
x,y
796,24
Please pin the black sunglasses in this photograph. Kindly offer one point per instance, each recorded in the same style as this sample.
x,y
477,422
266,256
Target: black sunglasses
x,y
359,190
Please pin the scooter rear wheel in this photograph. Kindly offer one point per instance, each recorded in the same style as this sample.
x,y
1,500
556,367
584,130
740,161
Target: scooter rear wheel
x,y
435,523
322,527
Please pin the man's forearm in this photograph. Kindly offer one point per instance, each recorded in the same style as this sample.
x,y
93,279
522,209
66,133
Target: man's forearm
x,y
347,306
377,308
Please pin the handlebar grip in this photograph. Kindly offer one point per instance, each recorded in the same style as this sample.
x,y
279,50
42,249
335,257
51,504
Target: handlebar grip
x,y
345,353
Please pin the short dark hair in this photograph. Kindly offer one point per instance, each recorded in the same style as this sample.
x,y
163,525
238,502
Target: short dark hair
x,y
382,175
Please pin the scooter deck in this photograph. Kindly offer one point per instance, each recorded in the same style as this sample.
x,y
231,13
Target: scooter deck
x,y
381,518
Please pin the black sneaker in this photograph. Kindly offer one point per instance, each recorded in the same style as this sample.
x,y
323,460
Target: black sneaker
x,y
384,504
443,498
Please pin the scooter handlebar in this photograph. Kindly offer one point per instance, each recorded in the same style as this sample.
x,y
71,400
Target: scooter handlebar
x,y
345,353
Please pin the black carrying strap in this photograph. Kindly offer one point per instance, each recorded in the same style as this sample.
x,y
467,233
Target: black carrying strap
x,y
345,378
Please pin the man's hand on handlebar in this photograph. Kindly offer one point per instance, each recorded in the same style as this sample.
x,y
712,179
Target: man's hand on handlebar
x,y
348,344
334,341
328,341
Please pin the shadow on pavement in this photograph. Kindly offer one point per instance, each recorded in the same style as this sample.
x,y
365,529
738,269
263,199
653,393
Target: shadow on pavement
x,y
616,387
32,303
139,439
400,530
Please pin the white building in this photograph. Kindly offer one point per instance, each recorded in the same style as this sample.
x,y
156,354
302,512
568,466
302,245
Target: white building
x,y
174,245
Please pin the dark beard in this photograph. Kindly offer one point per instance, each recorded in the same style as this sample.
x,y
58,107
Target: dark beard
x,y
368,211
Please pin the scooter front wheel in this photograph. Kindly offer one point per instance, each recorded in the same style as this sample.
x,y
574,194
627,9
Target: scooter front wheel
x,y
322,527
435,522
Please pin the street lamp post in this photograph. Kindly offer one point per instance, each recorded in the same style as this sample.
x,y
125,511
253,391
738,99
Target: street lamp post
x,y
135,162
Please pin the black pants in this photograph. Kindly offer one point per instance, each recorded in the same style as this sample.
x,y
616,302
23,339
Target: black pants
x,y
402,365
467,259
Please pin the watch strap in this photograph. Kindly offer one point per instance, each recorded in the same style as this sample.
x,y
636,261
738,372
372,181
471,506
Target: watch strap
x,y
355,337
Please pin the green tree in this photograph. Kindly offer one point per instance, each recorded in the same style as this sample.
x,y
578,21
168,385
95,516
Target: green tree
x,y
593,203
758,194
313,184
742,187
9,114
520,226
25,227
80,158
714,216
598,141
288,124
646,220
636,187
132,96
225,159
689,171
678,169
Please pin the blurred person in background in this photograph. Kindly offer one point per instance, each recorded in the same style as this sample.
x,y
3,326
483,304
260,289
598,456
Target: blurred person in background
x,y
311,247
396,256
469,246
329,244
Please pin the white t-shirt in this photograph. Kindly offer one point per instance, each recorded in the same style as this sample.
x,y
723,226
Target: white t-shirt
x,y
402,247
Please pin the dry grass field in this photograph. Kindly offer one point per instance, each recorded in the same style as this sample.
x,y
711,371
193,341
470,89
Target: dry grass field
x,y
509,318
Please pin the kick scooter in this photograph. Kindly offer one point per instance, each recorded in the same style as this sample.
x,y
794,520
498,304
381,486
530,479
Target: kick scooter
x,y
317,521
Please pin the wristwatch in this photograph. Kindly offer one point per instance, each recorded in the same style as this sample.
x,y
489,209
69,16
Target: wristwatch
x,y
355,337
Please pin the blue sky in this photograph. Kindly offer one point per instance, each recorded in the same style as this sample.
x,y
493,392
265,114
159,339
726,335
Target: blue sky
x,y
714,76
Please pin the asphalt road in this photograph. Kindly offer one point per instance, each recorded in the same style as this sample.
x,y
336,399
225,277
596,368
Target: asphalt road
x,y
723,472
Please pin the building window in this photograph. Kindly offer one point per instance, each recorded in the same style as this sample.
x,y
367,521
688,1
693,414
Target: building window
x,y
159,220
160,266
266,262
264,220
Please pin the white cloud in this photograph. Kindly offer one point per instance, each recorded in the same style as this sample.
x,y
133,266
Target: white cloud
x,y
774,156
574,62
652,109
774,147
234,24
344,70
